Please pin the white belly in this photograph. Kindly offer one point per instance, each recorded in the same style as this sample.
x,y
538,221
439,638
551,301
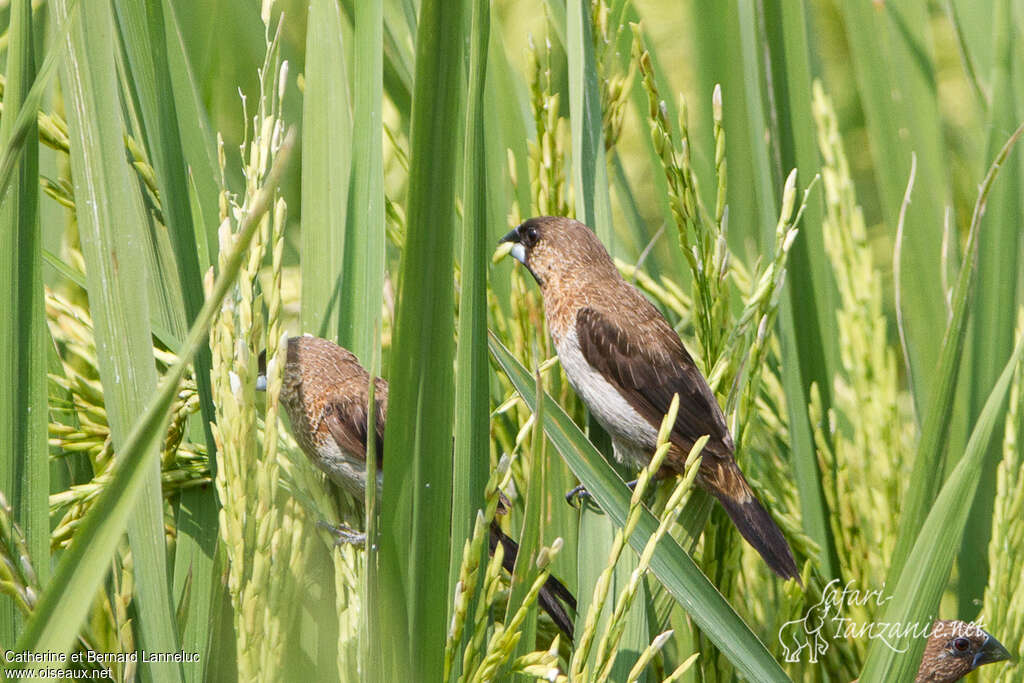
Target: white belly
x,y
346,471
633,436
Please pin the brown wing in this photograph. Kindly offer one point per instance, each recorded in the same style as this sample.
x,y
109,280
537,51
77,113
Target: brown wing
x,y
345,418
649,365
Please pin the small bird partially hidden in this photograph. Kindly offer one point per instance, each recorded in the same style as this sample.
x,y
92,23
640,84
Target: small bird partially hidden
x,y
326,393
956,648
626,362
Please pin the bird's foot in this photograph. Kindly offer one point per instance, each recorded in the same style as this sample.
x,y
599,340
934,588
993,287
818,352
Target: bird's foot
x,y
344,534
580,493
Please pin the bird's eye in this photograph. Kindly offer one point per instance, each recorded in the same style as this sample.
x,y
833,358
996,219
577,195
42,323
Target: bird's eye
x,y
961,644
530,237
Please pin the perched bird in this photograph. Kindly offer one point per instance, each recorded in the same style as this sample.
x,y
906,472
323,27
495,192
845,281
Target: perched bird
x,y
955,649
626,362
326,393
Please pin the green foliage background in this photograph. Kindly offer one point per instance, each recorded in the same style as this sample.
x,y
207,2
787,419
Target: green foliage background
x,y
183,183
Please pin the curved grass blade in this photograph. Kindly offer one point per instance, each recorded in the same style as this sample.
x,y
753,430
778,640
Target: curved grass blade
x,y
927,472
916,594
992,316
673,567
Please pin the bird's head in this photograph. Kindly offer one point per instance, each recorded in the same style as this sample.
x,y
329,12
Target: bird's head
x,y
556,249
956,648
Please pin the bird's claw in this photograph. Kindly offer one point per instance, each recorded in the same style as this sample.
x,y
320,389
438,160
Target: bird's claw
x,y
344,534
578,494
581,493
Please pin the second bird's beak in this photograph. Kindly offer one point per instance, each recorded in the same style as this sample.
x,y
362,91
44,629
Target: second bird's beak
x,y
991,651
261,382
510,244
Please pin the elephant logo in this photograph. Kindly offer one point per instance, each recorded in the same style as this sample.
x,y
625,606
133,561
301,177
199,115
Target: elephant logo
x,y
806,633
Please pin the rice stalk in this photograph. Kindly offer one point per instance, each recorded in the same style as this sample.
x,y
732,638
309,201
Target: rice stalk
x,y
260,527
867,395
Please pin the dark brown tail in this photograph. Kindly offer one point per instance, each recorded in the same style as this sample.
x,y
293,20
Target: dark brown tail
x,y
550,592
723,479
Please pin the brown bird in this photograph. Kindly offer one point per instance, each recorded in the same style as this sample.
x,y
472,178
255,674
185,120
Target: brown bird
x,y
626,362
325,393
956,648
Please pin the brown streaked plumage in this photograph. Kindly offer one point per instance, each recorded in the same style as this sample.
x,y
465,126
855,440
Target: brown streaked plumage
x,y
626,362
325,393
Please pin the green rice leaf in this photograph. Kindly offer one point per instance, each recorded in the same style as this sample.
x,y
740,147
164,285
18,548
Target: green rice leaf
x,y
417,490
893,63
23,420
992,317
326,168
472,370
926,477
916,593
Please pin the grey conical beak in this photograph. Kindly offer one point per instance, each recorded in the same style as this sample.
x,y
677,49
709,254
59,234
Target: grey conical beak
x,y
991,651
518,251
261,382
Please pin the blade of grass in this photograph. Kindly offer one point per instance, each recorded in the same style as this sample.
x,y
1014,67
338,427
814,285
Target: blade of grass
x,y
530,533
198,139
472,371
803,454
64,604
812,289
28,113
362,277
23,418
718,61
673,567
111,219
926,476
507,127
326,168
994,310
892,62
916,593
363,272
398,57
417,490
589,168
145,41
504,84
